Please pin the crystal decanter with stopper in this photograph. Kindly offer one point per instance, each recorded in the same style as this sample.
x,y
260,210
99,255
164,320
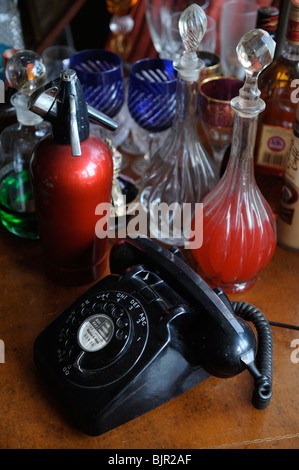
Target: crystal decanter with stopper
x,y
181,172
25,72
239,230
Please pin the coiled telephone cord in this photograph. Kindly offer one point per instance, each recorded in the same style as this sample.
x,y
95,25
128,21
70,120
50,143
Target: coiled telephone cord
x,y
263,368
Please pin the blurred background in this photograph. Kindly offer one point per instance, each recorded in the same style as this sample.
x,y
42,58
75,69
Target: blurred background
x,y
84,24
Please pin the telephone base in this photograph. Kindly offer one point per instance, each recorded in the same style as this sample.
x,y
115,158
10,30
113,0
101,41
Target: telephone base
x,y
167,377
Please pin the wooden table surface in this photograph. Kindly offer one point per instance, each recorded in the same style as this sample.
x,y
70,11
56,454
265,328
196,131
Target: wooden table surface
x,y
217,413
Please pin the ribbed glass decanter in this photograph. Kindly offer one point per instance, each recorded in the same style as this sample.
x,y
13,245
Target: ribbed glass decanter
x,y
180,173
239,230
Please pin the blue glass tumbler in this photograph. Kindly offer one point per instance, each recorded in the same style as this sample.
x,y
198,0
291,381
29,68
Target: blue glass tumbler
x,y
152,101
101,75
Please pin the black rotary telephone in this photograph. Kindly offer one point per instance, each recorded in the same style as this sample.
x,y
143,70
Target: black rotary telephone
x,y
145,334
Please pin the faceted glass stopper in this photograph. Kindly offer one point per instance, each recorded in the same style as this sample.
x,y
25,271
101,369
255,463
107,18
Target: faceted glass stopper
x,y
255,50
192,26
25,71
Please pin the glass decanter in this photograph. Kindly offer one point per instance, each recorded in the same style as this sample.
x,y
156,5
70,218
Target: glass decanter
x,y
181,172
25,71
239,230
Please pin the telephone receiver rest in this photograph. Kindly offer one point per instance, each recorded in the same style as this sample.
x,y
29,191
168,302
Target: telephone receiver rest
x,y
235,339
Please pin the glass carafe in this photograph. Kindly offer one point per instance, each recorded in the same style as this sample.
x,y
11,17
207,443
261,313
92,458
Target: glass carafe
x,y
239,230
17,142
181,172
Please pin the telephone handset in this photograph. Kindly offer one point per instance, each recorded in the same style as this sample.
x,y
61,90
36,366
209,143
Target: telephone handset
x,y
145,334
213,308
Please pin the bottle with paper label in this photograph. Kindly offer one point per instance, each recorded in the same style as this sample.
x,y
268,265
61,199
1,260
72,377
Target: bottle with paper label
x,y
288,216
279,90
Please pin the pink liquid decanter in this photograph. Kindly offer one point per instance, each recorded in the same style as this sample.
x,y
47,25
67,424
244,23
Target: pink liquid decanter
x,y
239,229
180,173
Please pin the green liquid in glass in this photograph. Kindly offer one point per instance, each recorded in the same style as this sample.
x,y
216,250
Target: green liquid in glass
x,y
17,209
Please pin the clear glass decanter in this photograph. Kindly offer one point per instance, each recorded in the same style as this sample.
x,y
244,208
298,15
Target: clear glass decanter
x,y
239,230
181,172
25,72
